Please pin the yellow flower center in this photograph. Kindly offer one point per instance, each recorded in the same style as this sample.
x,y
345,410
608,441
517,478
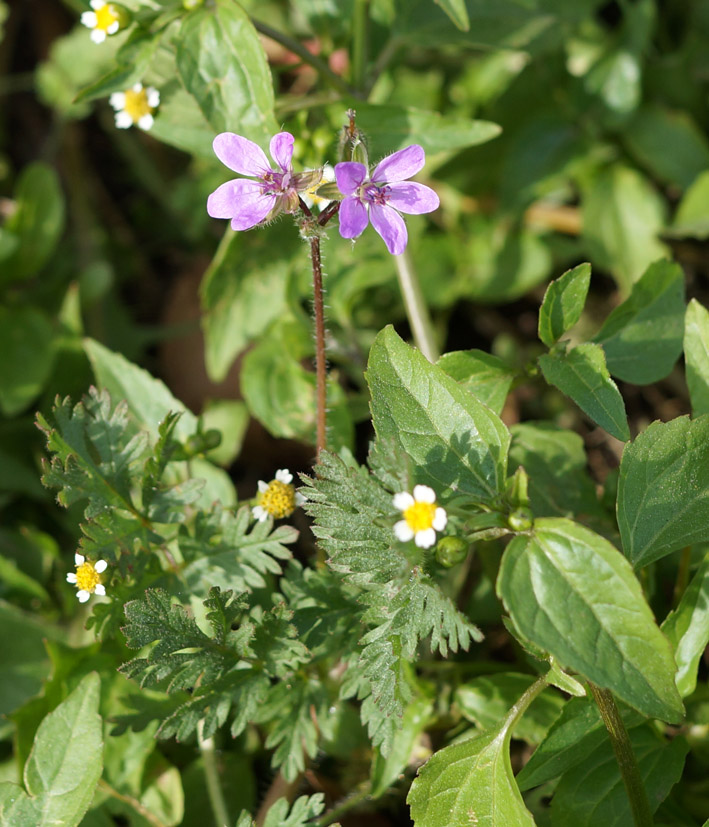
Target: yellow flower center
x,y
87,578
278,499
106,16
136,104
419,516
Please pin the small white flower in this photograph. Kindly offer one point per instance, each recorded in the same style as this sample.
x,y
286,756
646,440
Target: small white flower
x,y
135,106
277,498
105,19
422,518
87,577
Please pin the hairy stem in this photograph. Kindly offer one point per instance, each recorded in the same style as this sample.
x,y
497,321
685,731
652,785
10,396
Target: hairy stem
x,y
320,366
211,775
623,749
344,806
416,309
317,63
136,805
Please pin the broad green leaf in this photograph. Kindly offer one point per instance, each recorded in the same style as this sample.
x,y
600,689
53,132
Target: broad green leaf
x,y
642,338
36,222
454,440
179,122
663,489
563,303
616,78
386,771
578,730
622,216
243,292
556,461
486,699
64,766
471,783
573,594
692,216
696,356
653,129
27,339
148,399
484,375
592,794
687,629
455,9
222,64
389,127
582,375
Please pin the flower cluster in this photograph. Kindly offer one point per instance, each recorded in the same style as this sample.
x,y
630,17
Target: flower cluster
x,y
268,191
135,106
278,498
87,577
422,517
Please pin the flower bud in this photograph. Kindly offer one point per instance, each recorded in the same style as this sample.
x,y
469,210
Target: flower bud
x,y
521,519
352,143
451,550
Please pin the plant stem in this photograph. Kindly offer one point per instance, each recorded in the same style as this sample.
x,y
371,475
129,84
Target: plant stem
x,y
139,808
415,305
357,797
307,57
682,575
211,774
320,368
360,20
623,749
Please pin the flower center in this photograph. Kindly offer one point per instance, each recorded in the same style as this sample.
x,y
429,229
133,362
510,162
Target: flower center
x,y
87,578
419,516
136,104
105,17
278,499
376,194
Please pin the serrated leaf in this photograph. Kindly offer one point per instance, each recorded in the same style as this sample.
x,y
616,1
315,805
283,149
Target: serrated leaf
x,y
642,338
563,303
582,375
687,629
696,356
572,593
64,767
470,782
663,489
454,440
223,65
488,378
592,794
303,810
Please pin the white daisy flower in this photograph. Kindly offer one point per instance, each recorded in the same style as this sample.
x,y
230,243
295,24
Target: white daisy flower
x,y
135,106
277,498
422,518
105,19
87,577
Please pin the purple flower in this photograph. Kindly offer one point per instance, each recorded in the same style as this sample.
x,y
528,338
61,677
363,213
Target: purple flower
x,y
385,193
248,202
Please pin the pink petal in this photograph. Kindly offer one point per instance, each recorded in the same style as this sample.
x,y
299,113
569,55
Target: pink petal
x,y
349,176
241,200
281,149
353,217
241,154
412,198
400,165
390,226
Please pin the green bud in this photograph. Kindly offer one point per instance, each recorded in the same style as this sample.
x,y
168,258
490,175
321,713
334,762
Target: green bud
x,y
451,550
521,519
517,489
192,4
201,443
352,143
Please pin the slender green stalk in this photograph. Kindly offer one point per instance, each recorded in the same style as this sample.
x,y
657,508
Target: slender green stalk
x,y
344,806
416,309
307,57
211,775
685,561
320,359
623,749
524,702
139,808
360,27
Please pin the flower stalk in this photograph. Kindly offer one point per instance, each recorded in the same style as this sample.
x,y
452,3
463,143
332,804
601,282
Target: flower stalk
x,y
623,749
415,306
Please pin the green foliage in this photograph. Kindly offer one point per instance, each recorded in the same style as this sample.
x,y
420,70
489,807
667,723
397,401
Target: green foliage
x,y
64,767
696,356
485,376
280,814
563,304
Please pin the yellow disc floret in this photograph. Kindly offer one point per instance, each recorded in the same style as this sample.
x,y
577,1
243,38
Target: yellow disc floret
x,y
106,16
87,578
136,104
278,499
420,516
